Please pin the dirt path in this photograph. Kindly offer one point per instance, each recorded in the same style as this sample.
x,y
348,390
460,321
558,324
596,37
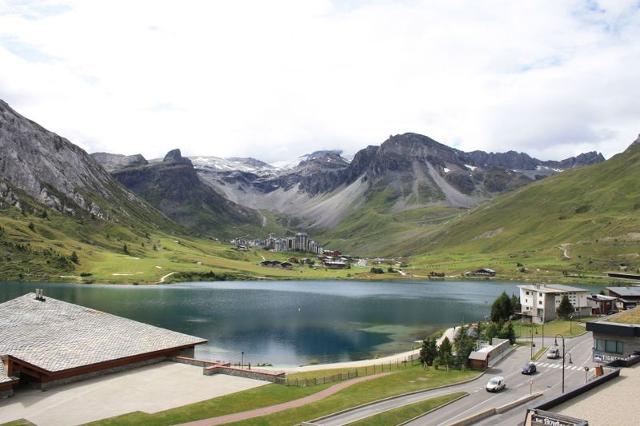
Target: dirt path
x,y
565,250
165,277
258,412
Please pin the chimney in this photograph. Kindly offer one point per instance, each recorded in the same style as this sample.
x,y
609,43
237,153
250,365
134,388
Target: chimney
x,y
40,295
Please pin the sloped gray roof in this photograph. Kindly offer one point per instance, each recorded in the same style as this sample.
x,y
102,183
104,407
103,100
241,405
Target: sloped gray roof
x,y
56,335
626,291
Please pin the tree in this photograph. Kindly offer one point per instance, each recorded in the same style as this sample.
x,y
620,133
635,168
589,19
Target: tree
x,y
515,303
463,344
31,226
565,308
74,257
507,332
428,351
501,310
445,355
125,249
492,330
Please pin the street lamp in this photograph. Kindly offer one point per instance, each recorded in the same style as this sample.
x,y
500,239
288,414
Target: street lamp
x,y
570,324
532,344
555,340
242,360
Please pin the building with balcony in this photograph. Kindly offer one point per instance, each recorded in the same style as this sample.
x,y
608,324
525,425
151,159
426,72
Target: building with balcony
x,y
540,301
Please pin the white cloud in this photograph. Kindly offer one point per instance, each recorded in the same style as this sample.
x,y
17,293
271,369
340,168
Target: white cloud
x,y
280,78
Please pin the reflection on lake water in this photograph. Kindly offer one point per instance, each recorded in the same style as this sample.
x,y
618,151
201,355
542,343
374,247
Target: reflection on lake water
x,y
290,322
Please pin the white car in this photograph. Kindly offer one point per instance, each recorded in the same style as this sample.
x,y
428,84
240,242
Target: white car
x,y
496,384
553,353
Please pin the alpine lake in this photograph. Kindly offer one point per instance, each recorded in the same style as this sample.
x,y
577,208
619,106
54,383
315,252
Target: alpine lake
x,y
289,323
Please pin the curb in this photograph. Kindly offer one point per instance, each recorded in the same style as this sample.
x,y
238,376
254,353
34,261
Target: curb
x,y
489,412
432,410
366,404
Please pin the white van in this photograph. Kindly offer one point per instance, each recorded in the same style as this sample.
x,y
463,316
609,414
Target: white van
x,y
496,384
553,353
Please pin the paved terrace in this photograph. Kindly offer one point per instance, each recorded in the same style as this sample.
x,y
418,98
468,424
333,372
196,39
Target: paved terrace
x,y
57,336
149,389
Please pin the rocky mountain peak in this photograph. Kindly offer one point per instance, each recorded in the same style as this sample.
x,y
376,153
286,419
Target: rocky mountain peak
x,y
112,162
252,162
175,156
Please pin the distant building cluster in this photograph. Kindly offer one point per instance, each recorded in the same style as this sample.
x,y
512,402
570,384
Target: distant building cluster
x,y
300,243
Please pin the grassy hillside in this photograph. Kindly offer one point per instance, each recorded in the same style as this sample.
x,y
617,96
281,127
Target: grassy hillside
x,y
580,221
376,229
38,246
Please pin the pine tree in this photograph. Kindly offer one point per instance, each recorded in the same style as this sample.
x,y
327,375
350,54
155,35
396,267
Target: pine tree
x,y
74,257
445,355
428,351
501,310
125,249
463,344
515,303
508,332
565,308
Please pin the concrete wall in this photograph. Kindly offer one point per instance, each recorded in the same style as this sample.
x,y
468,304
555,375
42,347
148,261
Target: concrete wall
x,y
6,390
500,349
250,374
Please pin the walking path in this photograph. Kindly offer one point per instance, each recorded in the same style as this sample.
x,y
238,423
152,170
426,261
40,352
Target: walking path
x,y
244,415
166,276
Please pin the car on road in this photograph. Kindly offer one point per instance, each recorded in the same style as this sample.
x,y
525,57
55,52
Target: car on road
x,y
529,368
496,384
553,353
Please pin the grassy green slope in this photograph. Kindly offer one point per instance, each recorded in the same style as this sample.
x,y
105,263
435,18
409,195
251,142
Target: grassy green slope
x,y
591,214
375,229
36,247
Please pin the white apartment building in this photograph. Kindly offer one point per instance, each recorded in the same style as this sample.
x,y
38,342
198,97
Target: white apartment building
x,y
540,301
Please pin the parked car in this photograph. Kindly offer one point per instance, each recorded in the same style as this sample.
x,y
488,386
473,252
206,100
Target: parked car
x,y
529,368
553,353
496,384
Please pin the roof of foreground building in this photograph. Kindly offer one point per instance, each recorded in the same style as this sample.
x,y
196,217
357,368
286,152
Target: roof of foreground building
x,y
55,335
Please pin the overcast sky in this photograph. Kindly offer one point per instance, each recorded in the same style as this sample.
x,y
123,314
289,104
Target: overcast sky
x,y
277,79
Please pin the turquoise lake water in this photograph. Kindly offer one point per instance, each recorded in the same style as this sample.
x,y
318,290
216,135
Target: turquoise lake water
x,y
290,322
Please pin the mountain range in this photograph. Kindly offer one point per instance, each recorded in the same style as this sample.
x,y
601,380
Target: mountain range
x,y
410,195
324,189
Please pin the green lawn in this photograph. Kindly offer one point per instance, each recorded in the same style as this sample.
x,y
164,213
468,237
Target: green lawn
x,y
21,422
352,372
408,412
411,379
566,328
241,401
405,380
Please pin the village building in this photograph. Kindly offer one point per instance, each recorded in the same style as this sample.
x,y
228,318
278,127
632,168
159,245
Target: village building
x,y
46,342
540,302
601,304
482,272
487,355
336,264
616,338
629,297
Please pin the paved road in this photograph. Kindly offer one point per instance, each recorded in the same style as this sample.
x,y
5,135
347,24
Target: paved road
x,y
547,380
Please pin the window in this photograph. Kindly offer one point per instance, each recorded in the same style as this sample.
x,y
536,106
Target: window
x,y
600,345
527,293
613,347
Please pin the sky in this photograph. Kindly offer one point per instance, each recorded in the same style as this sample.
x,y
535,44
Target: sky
x,y
280,78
